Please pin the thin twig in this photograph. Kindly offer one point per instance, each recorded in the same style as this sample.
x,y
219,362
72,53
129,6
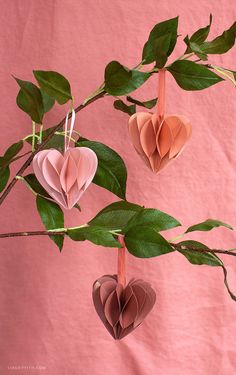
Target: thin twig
x,y
199,250
41,147
33,233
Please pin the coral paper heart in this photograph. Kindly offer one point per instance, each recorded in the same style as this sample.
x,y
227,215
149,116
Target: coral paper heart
x,y
159,138
65,177
120,308
158,141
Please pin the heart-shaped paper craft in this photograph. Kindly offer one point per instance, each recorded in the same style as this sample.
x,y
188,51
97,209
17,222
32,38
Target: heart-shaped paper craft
x,y
122,309
65,177
158,140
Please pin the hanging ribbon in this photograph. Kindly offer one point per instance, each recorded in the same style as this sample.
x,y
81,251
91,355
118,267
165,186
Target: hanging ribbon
x,y
68,139
121,263
161,94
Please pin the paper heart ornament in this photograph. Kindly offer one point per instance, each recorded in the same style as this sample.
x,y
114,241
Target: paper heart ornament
x,y
122,308
159,138
158,141
65,177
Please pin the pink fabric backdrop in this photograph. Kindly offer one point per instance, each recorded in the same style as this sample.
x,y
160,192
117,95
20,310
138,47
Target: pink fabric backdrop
x,y
46,312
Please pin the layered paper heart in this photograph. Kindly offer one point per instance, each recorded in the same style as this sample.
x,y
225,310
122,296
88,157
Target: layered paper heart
x,y
65,177
158,140
122,309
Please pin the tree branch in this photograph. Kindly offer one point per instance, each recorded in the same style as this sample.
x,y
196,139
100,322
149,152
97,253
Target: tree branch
x,y
64,231
199,250
47,139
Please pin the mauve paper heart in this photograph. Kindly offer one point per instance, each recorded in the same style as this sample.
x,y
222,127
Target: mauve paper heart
x,y
65,177
158,140
122,309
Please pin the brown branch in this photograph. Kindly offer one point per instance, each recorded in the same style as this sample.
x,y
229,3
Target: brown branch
x,y
41,147
63,232
199,250
21,156
34,233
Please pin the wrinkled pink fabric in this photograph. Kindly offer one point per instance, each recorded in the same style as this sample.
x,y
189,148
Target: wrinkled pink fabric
x,y
47,315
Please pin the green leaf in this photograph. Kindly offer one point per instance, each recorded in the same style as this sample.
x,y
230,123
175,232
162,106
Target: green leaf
x,y
30,100
160,48
52,217
54,84
205,258
208,225
119,80
146,242
196,257
159,40
116,215
200,35
192,76
121,106
150,217
222,43
4,177
194,47
48,101
35,185
111,173
147,104
11,152
96,235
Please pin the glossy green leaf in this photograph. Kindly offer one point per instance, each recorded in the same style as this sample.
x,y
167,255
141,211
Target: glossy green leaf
x,y
160,48
35,185
196,257
96,235
10,153
208,225
52,217
194,47
222,43
162,37
192,76
119,80
200,35
48,101
4,177
121,106
111,173
146,242
54,84
116,215
147,104
209,259
152,218
30,100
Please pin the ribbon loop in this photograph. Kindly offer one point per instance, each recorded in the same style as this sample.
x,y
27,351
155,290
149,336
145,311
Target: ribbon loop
x,y
72,123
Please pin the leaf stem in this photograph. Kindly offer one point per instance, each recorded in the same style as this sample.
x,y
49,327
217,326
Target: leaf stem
x,y
21,178
33,134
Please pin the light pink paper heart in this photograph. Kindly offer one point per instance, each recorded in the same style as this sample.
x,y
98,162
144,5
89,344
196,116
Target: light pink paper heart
x,y
122,309
158,140
65,177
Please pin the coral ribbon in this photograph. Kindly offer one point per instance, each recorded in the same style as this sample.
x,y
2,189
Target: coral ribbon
x,y
161,94
121,262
